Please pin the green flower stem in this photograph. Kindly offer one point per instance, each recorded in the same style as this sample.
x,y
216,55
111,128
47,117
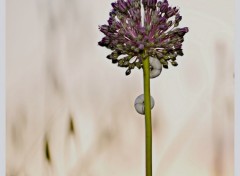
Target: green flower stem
x,y
147,109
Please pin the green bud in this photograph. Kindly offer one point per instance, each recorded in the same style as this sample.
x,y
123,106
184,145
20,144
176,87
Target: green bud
x,y
136,4
163,35
128,72
139,37
136,50
120,47
151,44
114,61
148,28
155,18
126,63
138,65
131,66
164,51
174,63
165,66
119,16
166,58
131,23
121,62
169,23
148,44
128,57
156,35
176,24
163,62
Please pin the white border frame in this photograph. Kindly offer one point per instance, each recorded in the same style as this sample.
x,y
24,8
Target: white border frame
x,y
2,89
237,92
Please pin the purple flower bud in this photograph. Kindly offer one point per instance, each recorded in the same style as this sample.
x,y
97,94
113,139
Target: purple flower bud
x,y
104,42
142,30
122,6
164,7
170,12
110,21
114,5
114,42
141,46
178,46
175,9
151,4
182,31
126,35
162,20
129,3
185,29
178,18
163,27
104,29
112,13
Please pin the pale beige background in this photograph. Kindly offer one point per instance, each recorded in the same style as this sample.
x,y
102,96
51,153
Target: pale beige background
x,y
56,72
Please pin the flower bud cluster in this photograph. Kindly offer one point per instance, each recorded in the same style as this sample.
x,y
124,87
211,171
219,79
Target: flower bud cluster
x,y
131,41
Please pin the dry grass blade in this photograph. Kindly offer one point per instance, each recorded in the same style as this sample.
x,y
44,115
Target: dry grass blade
x,y
47,151
71,125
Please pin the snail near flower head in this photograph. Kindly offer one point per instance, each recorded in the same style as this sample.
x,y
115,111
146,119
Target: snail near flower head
x,y
130,41
155,67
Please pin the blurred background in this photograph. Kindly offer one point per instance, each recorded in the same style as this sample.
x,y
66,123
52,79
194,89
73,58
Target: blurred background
x,y
70,112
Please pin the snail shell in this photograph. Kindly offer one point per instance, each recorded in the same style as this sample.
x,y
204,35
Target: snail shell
x,y
156,67
139,104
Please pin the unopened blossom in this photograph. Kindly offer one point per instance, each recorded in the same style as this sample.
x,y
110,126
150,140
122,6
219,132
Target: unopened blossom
x,y
131,41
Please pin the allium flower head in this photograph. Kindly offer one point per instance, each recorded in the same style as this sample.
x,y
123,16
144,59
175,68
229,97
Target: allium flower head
x,y
132,40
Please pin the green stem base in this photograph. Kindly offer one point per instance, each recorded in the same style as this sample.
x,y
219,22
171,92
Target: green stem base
x,y
147,109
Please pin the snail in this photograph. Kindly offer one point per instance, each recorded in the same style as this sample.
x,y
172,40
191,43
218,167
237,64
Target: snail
x,y
139,104
155,67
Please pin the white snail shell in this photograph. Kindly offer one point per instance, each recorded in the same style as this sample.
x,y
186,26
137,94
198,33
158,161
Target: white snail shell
x,y
156,67
139,104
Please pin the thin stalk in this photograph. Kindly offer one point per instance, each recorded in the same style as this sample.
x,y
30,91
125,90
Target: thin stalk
x,y
147,109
